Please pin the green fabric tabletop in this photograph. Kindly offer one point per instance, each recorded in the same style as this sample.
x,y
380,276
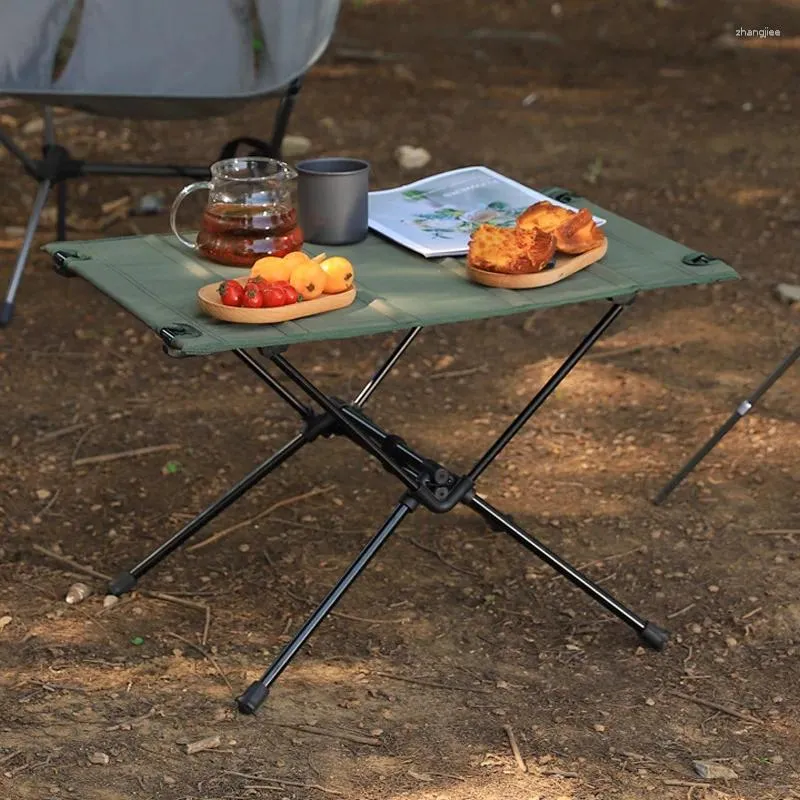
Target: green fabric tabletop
x,y
157,279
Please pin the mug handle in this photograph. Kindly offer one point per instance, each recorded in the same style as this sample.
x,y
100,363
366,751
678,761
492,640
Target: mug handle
x,y
173,214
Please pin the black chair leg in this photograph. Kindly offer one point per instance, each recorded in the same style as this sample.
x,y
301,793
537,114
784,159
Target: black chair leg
x,y
7,309
743,408
61,220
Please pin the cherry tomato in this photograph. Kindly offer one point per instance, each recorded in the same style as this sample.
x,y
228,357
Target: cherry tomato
x,y
255,283
274,296
230,293
290,293
252,298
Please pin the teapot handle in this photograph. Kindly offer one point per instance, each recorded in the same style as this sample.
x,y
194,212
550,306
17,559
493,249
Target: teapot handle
x,y
173,214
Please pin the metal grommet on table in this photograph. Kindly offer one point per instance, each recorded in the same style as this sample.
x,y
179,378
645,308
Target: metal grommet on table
x,y
698,259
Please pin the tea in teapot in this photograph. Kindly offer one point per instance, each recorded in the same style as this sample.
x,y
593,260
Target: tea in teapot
x,y
249,214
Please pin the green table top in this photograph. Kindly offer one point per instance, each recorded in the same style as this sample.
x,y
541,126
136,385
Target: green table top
x,y
157,279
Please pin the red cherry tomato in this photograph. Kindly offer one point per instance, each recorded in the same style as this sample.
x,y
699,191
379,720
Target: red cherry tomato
x,y
230,293
252,298
274,296
255,283
290,293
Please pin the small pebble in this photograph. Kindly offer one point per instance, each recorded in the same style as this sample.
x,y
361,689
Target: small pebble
x,y
77,593
409,157
649,702
713,588
293,145
101,759
244,548
731,641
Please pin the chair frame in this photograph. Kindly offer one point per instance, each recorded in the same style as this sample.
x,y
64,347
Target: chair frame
x,y
741,410
57,165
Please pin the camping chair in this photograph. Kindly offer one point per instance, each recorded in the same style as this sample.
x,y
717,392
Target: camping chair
x,y
149,59
743,408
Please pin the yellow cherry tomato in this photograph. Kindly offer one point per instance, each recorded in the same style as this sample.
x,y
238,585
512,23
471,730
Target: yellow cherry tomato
x,y
340,274
308,280
271,269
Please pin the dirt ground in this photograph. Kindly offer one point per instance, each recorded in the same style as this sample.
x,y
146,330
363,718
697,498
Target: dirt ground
x,y
454,632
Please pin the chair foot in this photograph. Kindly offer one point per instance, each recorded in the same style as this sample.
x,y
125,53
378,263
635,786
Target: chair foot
x,y
251,699
6,313
654,637
122,584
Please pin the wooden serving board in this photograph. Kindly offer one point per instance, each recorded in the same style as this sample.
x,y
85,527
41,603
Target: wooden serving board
x,y
564,267
209,301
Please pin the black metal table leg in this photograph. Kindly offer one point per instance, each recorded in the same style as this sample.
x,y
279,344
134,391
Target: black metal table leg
x,y
257,692
650,634
742,409
535,404
125,581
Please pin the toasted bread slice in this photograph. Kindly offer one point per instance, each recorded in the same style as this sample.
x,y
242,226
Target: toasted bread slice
x,y
579,234
510,250
545,216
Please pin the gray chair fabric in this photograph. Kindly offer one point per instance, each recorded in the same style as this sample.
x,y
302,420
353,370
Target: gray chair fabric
x,y
149,59
158,59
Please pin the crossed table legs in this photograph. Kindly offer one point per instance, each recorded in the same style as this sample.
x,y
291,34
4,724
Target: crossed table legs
x,y
427,483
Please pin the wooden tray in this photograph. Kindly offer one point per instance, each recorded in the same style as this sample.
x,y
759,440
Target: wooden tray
x,y
209,301
565,266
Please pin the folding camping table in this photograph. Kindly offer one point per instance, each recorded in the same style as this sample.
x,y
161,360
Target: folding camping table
x,y
157,280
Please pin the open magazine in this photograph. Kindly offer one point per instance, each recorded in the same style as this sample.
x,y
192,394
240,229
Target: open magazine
x,y
435,216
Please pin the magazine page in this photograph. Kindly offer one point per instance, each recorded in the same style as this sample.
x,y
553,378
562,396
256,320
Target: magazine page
x,y
435,216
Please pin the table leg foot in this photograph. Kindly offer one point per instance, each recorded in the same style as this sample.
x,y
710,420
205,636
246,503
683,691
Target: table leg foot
x,y
251,699
6,312
122,584
654,637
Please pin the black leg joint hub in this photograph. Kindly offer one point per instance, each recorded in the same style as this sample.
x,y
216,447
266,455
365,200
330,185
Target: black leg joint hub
x,y
441,499
122,584
251,699
654,637
320,425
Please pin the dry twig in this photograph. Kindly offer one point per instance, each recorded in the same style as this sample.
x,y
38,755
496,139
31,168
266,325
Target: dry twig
x,y
207,656
732,712
687,784
341,614
458,373
278,782
104,458
50,435
431,684
774,532
512,740
356,738
244,523
438,555
681,611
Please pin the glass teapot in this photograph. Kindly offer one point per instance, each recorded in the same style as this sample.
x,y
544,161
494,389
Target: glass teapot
x,y
249,213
